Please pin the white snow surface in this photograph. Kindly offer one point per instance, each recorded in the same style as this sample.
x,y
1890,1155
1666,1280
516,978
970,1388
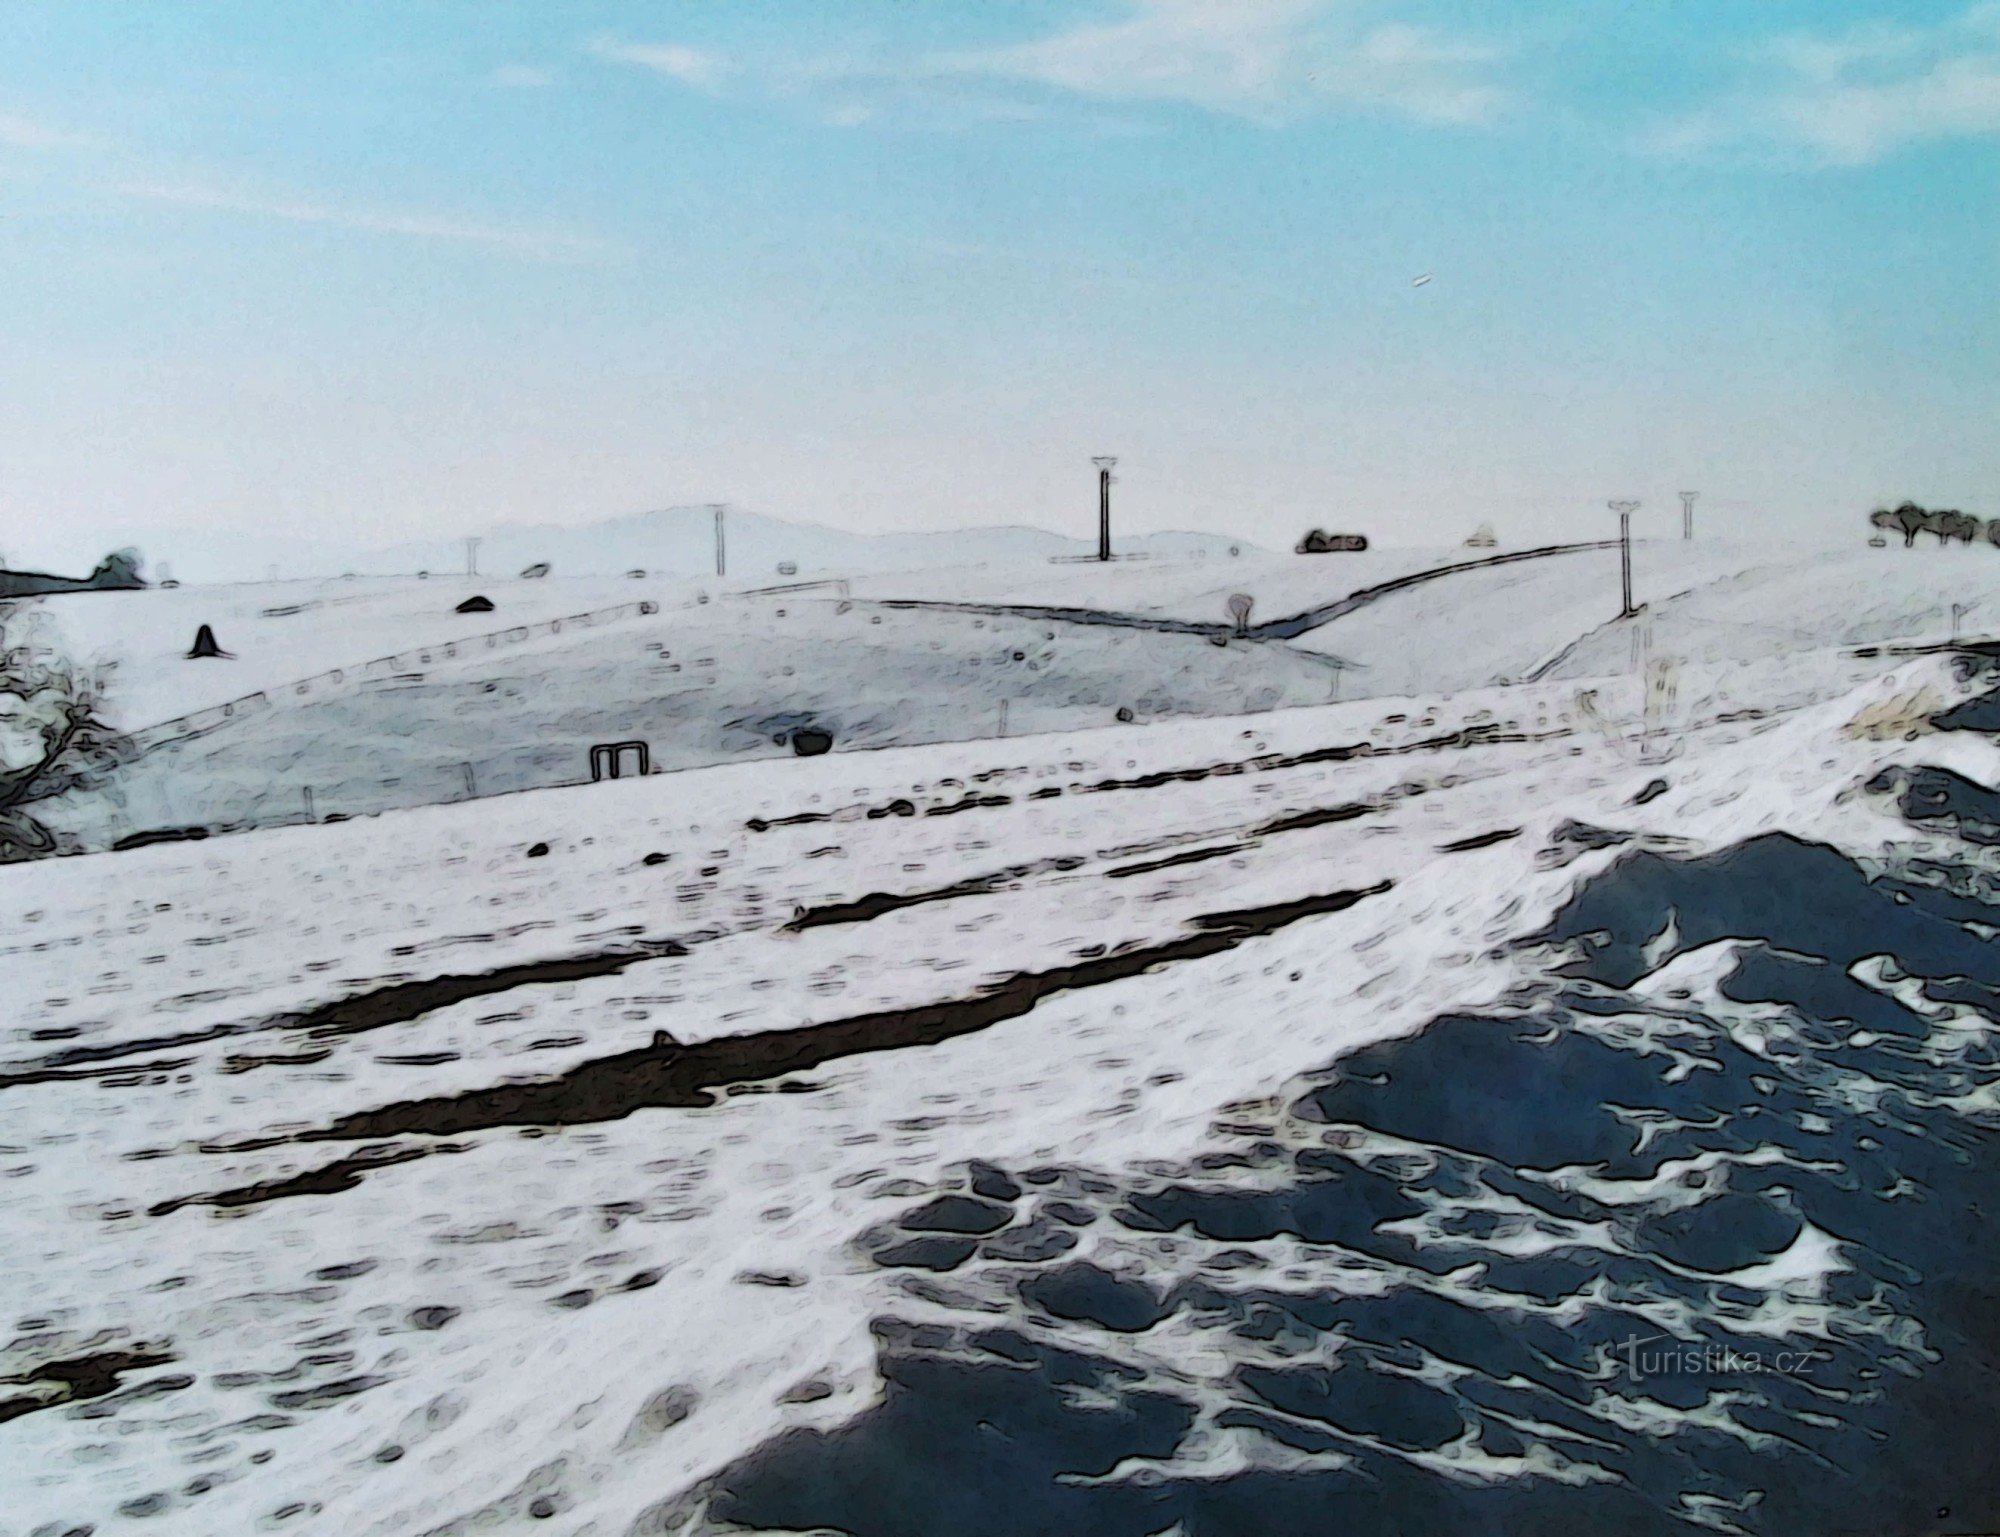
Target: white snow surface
x,y
633,1302
298,1355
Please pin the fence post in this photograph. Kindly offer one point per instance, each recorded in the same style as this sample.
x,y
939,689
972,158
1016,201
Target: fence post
x,y
471,787
309,804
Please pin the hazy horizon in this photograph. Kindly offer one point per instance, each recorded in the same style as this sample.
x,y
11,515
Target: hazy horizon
x,y
377,274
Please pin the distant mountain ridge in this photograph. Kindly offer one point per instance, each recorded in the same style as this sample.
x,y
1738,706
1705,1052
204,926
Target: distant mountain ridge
x,y
676,541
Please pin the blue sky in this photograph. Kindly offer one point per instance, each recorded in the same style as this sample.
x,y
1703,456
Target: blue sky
x,y
380,269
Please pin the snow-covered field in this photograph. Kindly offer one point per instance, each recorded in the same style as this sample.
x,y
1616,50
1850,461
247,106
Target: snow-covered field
x,y
410,703
1268,1122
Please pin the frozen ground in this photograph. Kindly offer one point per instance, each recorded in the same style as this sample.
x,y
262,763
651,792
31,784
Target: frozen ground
x,y
1198,1128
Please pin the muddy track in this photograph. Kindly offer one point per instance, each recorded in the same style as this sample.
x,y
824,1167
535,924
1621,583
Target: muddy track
x,y
396,1004
878,903
75,1380
1479,841
1468,736
330,1179
670,1075
1484,735
1170,861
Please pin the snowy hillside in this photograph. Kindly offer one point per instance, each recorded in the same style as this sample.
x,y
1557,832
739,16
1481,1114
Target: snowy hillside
x,y
1419,1103
350,698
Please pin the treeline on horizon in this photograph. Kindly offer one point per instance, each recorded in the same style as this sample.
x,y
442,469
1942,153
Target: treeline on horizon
x,y
1944,523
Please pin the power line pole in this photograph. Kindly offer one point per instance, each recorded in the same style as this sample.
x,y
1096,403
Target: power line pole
x,y
1687,513
721,564
472,557
1624,511
1104,463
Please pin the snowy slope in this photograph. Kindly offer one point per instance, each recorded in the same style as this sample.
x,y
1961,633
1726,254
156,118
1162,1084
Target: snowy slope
x,y
277,632
474,1317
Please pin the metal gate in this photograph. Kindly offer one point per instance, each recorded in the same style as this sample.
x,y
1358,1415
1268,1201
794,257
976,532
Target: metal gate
x,y
607,759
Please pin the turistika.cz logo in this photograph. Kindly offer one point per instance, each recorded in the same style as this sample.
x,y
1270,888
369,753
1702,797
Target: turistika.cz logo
x,y
1643,1357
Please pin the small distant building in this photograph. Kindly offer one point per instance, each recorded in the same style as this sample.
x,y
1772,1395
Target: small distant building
x,y
1482,538
1319,542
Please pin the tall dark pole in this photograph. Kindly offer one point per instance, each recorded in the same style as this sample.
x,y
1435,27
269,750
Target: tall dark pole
x,y
1687,513
1104,463
720,564
1624,511
1625,557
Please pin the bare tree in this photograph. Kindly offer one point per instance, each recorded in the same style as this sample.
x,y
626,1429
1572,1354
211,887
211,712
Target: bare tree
x,y
53,736
1911,520
1961,526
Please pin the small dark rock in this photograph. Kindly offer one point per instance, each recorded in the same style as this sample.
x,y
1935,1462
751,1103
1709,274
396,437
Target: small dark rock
x,y
1031,1245
654,859
432,1318
537,850
811,1391
810,741
993,1183
1070,1212
957,1214
928,1253
1653,791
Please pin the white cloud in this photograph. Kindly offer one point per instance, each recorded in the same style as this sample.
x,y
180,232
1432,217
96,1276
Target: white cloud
x,y
531,245
1257,58
689,66
24,133
1859,97
521,77
1263,59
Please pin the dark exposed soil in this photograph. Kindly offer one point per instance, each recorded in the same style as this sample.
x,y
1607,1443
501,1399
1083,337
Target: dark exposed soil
x,y
335,1177
877,903
396,1004
1184,857
1319,816
79,1378
614,1087
668,1074
1479,841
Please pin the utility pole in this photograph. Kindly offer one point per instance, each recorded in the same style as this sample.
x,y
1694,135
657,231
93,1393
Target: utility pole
x,y
1624,511
472,557
1104,463
721,564
1687,513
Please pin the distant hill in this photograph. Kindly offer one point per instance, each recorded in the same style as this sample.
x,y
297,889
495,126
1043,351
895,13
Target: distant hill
x,y
676,541
118,572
